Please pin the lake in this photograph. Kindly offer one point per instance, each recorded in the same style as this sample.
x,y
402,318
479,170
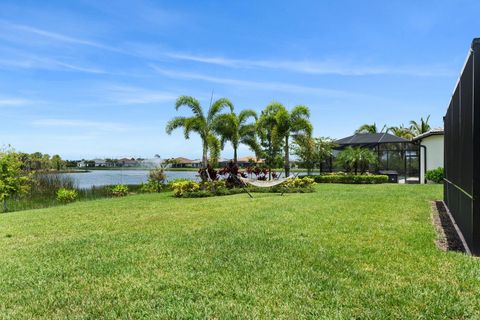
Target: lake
x,y
111,177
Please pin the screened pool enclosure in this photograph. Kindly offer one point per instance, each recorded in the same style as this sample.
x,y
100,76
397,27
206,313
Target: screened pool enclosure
x,y
395,154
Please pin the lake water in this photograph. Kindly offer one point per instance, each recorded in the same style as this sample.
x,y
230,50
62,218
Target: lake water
x,y
112,177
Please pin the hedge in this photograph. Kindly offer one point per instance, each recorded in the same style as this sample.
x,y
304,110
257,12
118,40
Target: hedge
x,y
351,178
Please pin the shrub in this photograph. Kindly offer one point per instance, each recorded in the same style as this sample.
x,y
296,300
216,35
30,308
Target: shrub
x,y
119,190
151,187
306,182
350,178
67,195
435,175
183,188
216,186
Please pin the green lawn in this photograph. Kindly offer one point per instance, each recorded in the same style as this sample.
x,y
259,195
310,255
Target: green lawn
x,y
346,251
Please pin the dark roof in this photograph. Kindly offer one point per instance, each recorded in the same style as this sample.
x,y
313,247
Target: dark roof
x,y
370,138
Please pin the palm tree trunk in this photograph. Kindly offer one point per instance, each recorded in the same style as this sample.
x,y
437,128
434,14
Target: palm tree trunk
x,y
205,154
235,154
287,158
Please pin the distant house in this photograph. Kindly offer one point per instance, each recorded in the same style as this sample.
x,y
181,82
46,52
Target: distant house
x,y
431,151
82,164
181,162
125,162
100,162
223,162
248,161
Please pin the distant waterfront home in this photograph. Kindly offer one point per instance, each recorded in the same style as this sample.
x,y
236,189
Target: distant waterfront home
x,y
125,162
181,162
248,161
100,162
431,151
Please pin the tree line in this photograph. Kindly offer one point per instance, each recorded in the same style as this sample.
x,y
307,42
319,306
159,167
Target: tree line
x,y
268,134
415,129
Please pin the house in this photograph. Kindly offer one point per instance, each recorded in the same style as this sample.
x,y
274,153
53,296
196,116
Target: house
x,y
82,164
181,162
397,157
100,162
248,161
125,162
431,151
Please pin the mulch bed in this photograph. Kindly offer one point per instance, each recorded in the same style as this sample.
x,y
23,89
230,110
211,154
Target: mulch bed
x,y
447,236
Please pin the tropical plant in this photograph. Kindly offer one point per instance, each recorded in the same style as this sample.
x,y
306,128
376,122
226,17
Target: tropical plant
x,y
181,188
236,129
67,195
292,124
270,138
370,128
200,123
435,175
120,190
356,159
313,151
402,132
324,149
421,127
13,181
305,150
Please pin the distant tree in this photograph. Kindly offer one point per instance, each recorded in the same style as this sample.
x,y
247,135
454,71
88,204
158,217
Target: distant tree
x,y
370,128
236,129
57,162
304,148
292,124
421,127
13,180
402,132
313,151
324,149
200,123
356,159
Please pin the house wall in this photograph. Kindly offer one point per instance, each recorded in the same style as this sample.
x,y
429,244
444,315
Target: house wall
x,y
434,145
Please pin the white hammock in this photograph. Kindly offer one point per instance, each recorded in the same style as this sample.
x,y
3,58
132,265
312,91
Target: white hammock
x,y
264,183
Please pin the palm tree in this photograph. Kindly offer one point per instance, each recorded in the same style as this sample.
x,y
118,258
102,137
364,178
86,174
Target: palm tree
x,y
419,128
268,133
200,123
356,159
292,124
402,132
236,129
370,128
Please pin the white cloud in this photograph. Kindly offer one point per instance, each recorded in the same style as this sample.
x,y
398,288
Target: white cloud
x,y
134,95
82,124
12,102
259,85
325,67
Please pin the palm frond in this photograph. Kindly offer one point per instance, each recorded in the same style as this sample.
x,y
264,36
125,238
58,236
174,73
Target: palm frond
x,y
190,102
218,106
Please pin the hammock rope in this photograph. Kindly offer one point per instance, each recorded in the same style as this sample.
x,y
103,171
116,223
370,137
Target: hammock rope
x,y
264,183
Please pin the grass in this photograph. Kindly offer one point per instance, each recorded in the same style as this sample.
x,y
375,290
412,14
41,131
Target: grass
x,y
346,251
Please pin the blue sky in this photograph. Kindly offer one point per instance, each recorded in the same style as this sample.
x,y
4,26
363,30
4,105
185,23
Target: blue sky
x,y
99,78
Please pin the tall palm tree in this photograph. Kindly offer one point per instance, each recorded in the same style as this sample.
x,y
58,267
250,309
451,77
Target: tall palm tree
x,y
292,124
421,127
200,123
268,133
370,128
402,132
236,129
